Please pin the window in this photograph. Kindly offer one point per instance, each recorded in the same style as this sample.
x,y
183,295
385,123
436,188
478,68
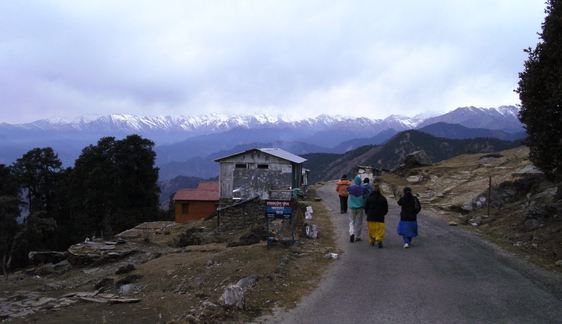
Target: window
x,y
185,208
241,166
263,166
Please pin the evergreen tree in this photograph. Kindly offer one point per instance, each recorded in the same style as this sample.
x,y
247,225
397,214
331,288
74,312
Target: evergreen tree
x,y
92,189
540,92
114,186
137,190
9,212
36,172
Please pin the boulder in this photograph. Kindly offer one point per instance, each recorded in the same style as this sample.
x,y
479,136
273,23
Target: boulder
x,y
42,257
476,221
528,171
49,268
414,179
311,231
233,295
98,252
129,289
247,282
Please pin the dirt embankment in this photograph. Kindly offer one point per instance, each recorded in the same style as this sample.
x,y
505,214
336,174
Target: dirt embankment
x,y
161,283
525,210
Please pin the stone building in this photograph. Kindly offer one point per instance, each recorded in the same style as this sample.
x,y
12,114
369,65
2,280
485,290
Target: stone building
x,y
257,171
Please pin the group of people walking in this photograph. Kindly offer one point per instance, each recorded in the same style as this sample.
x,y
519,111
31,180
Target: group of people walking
x,y
361,198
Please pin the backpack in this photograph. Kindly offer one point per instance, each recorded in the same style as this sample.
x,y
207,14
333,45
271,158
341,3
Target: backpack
x,y
417,205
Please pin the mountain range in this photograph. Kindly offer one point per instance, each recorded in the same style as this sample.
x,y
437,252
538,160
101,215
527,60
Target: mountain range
x,y
188,145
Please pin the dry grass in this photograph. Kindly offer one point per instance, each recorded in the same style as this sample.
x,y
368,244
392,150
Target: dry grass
x,y
176,285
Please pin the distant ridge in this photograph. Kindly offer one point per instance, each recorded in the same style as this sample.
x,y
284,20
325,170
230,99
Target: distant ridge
x,y
456,131
184,142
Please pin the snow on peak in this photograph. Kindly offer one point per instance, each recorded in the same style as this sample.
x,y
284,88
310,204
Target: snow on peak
x,y
221,122
404,121
508,110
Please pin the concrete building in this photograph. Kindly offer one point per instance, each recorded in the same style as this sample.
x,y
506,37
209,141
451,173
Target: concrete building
x,y
257,171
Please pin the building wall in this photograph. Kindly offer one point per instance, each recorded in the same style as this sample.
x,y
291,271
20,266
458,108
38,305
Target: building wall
x,y
296,180
253,180
196,210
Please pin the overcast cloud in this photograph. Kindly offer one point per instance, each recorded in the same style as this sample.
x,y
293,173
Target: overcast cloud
x,y
302,58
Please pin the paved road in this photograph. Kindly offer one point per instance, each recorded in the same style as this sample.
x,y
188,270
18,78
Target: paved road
x,y
448,276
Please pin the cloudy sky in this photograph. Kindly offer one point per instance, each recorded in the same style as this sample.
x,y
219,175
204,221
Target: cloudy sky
x,y
301,58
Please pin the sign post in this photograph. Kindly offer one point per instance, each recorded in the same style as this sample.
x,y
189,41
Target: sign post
x,y
279,221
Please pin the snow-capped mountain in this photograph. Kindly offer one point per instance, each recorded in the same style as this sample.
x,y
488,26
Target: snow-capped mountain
x,y
398,122
198,124
184,137
504,117
500,118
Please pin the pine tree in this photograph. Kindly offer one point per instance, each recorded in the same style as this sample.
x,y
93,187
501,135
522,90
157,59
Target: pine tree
x,y
540,92
37,172
114,186
9,212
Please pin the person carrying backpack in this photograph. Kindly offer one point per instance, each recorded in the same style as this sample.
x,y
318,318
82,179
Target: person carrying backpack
x,y
341,189
408,226
356,203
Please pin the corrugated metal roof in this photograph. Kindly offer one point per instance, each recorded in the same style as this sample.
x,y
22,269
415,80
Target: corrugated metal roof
x,y
282,154
205,191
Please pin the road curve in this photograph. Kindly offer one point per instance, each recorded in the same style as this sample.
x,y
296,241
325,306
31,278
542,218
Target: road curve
x,y
448,276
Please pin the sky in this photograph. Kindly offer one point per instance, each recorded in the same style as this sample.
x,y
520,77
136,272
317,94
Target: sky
x,y
67,58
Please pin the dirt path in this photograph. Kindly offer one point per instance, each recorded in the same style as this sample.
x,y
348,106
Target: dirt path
x,y
448,276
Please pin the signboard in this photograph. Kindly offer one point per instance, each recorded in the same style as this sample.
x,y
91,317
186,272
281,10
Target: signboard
x,y
278,208
280,224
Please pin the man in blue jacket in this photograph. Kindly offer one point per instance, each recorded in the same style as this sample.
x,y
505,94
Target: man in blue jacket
x,y
355,204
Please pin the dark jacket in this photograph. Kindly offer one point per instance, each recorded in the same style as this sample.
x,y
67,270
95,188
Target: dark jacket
x,y
408,212
376,207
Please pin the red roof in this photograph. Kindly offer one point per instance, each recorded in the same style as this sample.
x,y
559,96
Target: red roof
x,y
208,190
209,185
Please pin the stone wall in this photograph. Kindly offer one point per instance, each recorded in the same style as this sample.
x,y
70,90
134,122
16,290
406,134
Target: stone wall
x,y
246,215
241,216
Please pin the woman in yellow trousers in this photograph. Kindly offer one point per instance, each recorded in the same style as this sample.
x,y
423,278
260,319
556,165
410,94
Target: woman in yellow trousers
x,y
376,207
